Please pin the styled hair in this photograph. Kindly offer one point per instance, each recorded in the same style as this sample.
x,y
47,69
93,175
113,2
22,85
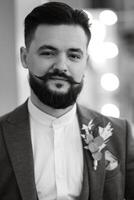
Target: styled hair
x,y
54,13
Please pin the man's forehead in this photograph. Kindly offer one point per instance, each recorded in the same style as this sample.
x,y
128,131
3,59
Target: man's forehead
x,y
69,35
59,27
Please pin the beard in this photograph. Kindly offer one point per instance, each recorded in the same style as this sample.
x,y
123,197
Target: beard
x,y
53,98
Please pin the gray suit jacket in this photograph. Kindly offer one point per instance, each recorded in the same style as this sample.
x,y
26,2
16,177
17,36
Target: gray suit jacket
x,y
17,180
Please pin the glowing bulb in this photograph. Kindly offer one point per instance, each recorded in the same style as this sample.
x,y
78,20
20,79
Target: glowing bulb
x,y
109,81
108,17
110,110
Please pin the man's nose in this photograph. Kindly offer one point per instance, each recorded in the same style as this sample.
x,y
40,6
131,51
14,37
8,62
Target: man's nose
x,y
61,63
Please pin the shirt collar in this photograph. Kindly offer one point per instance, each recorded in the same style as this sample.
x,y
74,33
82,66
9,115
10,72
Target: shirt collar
x,y
49,120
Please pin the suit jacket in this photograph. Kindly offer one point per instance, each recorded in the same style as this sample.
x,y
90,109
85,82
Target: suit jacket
x,y
17,180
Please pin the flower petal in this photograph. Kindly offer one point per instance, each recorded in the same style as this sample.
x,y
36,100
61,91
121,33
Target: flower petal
x,y
99,140
97,155
93,147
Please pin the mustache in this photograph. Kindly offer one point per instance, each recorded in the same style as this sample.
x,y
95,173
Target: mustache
x,y
51,75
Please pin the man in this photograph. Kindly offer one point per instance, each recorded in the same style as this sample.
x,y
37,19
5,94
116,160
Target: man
x,y
51,148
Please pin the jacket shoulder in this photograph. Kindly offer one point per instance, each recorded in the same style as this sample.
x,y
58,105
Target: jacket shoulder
x,y
102,120
16,114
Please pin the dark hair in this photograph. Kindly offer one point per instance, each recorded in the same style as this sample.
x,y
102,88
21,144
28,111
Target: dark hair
x,y
54,13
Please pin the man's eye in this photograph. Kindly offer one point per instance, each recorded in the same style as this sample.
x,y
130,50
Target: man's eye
x,y
75,57
47,53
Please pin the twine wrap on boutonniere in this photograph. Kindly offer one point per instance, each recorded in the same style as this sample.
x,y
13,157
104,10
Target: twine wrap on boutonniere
x,y
96,144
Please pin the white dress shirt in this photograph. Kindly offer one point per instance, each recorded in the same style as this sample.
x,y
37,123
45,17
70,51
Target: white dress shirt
x,y
58,154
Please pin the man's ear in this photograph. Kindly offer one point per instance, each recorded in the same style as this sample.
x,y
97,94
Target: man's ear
x,y
23,56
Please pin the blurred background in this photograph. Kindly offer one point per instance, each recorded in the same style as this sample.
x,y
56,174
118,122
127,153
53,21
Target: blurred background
x,y
110,77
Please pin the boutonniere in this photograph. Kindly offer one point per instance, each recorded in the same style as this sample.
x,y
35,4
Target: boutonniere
x,y
96,144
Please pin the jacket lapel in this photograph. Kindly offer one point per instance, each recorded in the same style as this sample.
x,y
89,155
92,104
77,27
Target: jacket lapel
x,y
18,141
85,186
93,187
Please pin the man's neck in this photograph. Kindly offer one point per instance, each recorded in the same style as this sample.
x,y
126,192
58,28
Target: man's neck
x,y
47,109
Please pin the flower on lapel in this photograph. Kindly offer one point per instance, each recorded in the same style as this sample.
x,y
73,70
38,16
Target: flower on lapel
x,y
96,144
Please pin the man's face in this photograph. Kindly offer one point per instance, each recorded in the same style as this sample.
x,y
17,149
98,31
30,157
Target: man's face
x,y
56,59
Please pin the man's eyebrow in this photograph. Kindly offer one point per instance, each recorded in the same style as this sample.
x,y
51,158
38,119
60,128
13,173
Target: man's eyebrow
x,y
77,50
43,47
49,47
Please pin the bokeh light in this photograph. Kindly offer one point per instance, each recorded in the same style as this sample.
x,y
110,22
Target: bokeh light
x,y
100,51
98,31
108,17
96,52
109,81
110,50
110,110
